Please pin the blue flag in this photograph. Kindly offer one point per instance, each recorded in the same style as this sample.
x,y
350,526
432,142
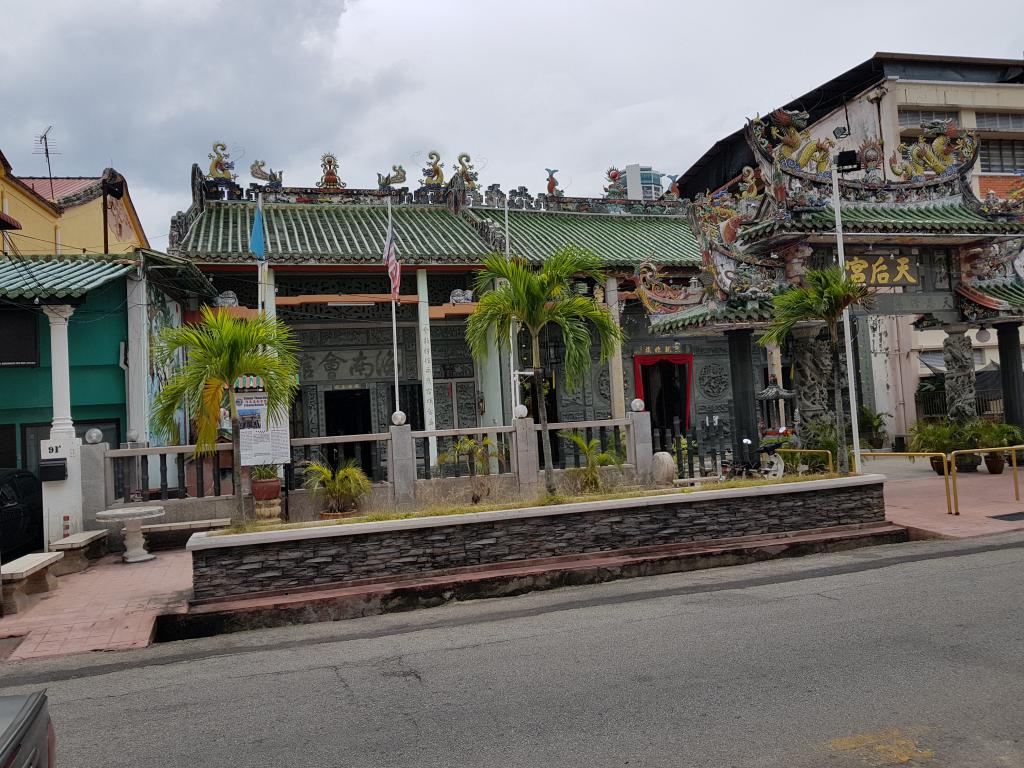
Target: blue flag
x,y
257,246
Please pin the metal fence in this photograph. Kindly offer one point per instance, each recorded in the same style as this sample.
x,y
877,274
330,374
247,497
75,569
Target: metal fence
x,y
610,434
464,452
932,405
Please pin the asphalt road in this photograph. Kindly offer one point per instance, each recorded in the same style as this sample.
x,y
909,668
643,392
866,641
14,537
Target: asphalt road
x,y
903,655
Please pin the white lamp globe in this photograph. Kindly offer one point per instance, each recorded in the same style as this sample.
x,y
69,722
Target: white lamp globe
x,y
983,335
637,405
398,418
520,411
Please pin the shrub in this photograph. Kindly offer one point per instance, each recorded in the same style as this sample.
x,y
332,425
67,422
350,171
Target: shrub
x,y
341,488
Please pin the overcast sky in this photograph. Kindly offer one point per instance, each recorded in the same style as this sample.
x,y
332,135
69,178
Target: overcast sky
x,y
522,85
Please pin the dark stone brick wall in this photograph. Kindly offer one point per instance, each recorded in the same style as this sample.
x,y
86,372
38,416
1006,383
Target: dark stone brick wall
x,y
233,571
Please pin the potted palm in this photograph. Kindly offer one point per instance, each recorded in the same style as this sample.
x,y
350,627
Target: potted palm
x,y
340,490
873,425
931,437
993,434
588,477
266,485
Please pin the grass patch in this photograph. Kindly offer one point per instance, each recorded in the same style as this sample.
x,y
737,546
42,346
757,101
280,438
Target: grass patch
x,y
440,510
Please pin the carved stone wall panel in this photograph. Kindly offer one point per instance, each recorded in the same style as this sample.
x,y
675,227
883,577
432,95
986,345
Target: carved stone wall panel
x,y
466,402
812,362
444,405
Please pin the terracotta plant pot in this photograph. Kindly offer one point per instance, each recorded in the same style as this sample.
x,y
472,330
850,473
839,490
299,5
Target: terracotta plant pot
x,y
936,463
265,490
332,515
995,462
968,463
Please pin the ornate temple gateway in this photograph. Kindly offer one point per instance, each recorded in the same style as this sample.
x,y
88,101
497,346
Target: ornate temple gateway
x,y
913,227
324,243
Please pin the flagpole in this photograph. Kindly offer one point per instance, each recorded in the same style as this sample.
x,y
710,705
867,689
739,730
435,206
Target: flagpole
x,y
512,367
394,321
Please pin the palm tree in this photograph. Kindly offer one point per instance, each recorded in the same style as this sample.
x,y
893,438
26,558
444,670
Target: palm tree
x,y
513,291
219,350
824,295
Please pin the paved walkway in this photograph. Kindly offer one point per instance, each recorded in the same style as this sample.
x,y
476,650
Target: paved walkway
x,y
915,497
110,607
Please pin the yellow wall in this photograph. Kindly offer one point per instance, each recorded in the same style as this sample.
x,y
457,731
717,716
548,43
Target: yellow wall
x,y
68,232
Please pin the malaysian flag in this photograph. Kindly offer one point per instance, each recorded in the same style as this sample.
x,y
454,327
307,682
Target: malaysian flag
x,y
391,260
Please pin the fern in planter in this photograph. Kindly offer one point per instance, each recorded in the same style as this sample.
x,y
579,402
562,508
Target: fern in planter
x,y
339,489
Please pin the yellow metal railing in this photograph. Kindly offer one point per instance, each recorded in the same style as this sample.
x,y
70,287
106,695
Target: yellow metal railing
x,y
951,507
819,451
1012,449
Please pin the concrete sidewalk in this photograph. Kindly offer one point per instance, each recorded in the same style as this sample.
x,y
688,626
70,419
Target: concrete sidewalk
x,y
109,607
915,497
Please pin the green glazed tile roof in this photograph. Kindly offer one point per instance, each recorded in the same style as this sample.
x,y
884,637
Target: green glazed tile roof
x,y
996,295
947,217
711,315
617,239
302,233
54,277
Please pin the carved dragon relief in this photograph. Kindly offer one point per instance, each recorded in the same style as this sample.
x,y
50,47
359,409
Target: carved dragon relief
x,y
220,163
940,151
433,173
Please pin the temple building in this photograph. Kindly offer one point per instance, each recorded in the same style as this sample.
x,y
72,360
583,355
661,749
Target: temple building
x,y
938,239
324,246
941,140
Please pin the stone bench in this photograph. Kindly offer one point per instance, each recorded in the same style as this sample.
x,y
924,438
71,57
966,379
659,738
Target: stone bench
x,y
26,576
79,549
171,535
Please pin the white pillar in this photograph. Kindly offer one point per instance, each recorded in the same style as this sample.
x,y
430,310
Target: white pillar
x,y
270,295
426,359
615,378
60,370
137,378
62,499
490,383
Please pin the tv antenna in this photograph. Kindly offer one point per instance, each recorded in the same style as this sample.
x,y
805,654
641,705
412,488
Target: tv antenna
x,y
44,146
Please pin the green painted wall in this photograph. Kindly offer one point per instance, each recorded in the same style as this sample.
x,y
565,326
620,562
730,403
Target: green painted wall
x,y
95,333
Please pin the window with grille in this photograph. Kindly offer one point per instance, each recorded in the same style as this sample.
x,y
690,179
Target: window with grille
x,y
1000,121
1002,156
912,118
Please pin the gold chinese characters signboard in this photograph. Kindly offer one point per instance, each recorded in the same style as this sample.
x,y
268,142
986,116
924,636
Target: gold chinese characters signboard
x,y
882,270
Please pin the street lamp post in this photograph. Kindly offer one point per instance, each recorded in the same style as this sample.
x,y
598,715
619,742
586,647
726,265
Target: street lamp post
x,y
845,161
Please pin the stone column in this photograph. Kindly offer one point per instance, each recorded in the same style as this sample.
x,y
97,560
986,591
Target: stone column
x,y
490,383
741,372
136,386
426,360
640,445
812,363
958,356
526,460
62,499
402,465
616,393
1011,373
775,367
60,370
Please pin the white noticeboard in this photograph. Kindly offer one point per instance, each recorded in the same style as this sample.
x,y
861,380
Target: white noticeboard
x,y
260,441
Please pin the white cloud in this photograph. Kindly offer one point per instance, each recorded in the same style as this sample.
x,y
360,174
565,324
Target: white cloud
x,y
576,85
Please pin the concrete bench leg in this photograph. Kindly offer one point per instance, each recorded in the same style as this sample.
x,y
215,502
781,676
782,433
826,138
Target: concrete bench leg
x,y
14,598
40,581
74,561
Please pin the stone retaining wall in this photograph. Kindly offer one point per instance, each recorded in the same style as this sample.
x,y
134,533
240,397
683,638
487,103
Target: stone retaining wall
x,y
274,561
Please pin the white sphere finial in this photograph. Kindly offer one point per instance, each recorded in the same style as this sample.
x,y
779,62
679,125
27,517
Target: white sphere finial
x,y
398,418
520,411
637,405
